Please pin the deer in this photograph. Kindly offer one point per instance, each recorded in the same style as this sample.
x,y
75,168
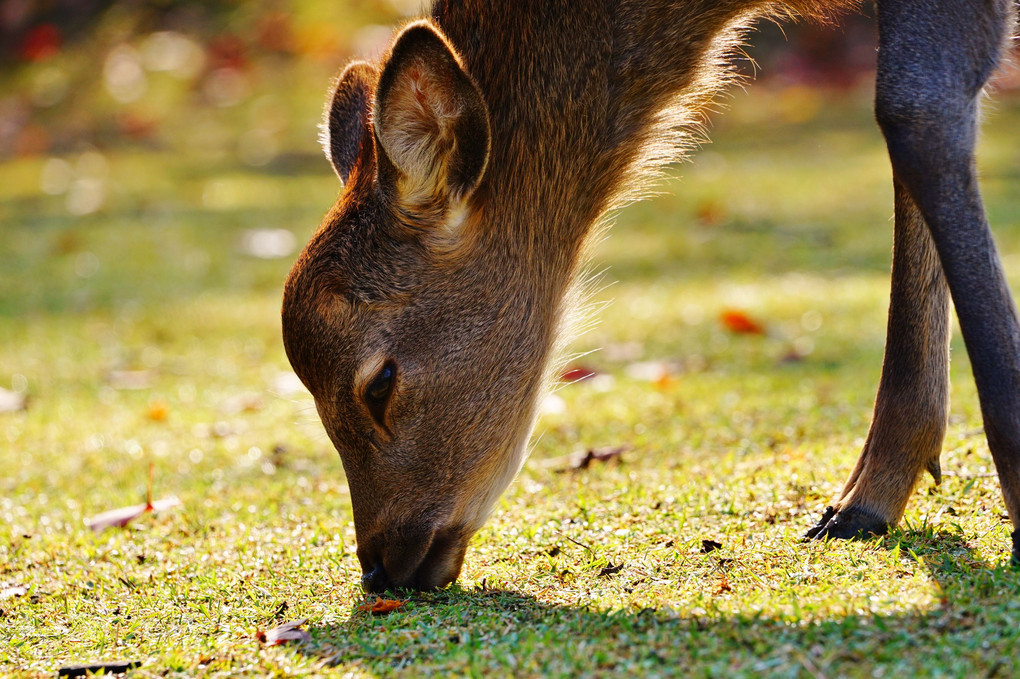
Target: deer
x,y
477,158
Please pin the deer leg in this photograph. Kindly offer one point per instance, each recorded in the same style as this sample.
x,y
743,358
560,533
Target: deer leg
x,y
934,58
912,403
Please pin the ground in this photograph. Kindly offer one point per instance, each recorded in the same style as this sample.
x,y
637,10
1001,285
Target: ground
x,y
146,339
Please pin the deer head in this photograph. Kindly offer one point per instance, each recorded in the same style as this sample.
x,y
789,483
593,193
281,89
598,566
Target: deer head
x,y
413,329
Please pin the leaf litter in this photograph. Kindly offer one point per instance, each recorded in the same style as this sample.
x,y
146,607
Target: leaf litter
x,y
285,633
381,606
118,518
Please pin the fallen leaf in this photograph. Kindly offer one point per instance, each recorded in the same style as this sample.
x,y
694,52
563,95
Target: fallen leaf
x,y
123,516
267,243
709,546
577,373
158,411
286,383
610,569
381,606
710,212
13,591
584,460
553,405
723,586
740,323
114,667
242,403
11,401
282,634
791,356
131,379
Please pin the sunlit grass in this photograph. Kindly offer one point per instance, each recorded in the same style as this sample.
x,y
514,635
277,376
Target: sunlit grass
x,y
745,442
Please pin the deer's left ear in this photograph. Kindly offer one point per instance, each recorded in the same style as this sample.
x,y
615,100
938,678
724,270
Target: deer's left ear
x,y
431,123
343,127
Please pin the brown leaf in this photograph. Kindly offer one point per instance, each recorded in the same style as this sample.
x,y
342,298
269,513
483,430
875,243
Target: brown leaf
x,y
723,586
107,668
709,546
584,460
381,606
285,633
123,516
740,323
610,569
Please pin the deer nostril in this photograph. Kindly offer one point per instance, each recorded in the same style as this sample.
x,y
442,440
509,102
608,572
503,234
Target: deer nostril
x,y
375,580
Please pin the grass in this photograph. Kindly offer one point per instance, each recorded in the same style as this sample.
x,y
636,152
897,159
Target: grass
x,y
144,338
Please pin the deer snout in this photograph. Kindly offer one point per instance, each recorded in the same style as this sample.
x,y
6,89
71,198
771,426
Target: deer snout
x,y
420,560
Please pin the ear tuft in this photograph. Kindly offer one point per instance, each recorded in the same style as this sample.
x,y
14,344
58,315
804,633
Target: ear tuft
x,y
431,122
345,123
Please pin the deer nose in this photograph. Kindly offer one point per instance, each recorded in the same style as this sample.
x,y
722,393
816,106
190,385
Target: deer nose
x,y
375,580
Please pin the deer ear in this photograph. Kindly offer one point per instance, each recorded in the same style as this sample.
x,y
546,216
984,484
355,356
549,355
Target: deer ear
x,y
431,123
345,121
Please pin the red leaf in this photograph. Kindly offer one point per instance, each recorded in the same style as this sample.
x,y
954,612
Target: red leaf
x,y
287,632
381,606
577,373
41,43
740,323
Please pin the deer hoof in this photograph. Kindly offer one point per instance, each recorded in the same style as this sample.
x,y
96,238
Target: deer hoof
x,y
846,524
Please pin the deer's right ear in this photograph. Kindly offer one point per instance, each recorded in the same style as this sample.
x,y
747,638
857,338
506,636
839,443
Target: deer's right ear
x,y
431,123
345,123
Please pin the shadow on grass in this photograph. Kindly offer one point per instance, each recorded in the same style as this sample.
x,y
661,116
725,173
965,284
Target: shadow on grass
x,y
972,630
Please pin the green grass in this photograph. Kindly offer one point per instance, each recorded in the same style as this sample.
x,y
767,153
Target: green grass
x,y
788,222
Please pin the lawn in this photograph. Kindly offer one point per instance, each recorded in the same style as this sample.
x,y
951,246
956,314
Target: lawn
x,y
145,338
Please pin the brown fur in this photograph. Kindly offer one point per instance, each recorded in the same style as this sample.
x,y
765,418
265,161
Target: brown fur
x,y
478,156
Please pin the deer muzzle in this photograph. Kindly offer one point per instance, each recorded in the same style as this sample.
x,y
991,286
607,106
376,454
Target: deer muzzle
x,y
416,559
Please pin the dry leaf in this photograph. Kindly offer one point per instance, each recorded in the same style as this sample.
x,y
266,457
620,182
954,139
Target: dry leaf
x,y
267,243
287,632
131,379
11,401
610,569
584,460
13,591
709,546
123,516
107,668
740,323
249,402
723,586
158,411
381,606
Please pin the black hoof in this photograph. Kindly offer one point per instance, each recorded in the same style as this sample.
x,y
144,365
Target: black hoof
x,y
1015,560
846,524
829,512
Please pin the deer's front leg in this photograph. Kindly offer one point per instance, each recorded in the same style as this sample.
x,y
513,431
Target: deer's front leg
x,y
934,58
912,403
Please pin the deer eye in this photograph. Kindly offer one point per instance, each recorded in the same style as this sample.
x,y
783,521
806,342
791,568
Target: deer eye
x,y
377,393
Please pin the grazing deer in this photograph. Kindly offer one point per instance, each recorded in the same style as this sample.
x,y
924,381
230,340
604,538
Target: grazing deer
x,y
476,157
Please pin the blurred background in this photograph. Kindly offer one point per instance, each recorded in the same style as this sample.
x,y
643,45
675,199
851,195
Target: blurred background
x,y
144,114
